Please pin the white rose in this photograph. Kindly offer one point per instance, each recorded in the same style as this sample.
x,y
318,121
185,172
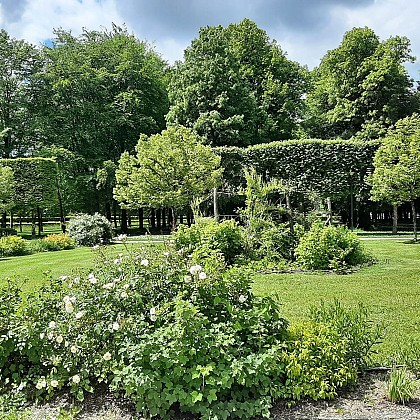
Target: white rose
x,y
54,383
202,275
51,325
76,379
144,262
115,326
73,349
69,307
59,339
107,356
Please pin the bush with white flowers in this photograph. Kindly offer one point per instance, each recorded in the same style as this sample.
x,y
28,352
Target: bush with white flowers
x,y
90,230
163,331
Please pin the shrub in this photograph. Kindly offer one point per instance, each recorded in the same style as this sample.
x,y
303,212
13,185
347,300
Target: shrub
x,y
330,247
12,246
88,230
58,242
169,335
401,386
225,237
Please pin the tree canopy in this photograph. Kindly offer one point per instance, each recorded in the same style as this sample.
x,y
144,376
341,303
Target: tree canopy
x,y
360,87
396,178
98,92
236,87
18,61
170,169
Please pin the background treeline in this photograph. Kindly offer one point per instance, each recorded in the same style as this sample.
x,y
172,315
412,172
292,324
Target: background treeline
x,y
85,100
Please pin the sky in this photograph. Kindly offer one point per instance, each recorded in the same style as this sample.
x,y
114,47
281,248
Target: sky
x,y
305,29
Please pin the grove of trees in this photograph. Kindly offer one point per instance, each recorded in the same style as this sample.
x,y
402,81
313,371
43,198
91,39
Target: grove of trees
x,y
86,100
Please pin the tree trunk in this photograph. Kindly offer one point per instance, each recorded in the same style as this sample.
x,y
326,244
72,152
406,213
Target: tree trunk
x,y
141,216
173,219
62,215
33,226
20,223
124,227
108,212
215,206
114,208
4,220
395,220
351,211
39,216
11,221
413,210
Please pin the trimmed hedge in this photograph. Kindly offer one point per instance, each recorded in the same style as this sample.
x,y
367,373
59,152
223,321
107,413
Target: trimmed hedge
x,y
331,167
36,181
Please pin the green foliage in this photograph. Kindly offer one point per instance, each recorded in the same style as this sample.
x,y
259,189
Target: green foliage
x,y
396,178
98,91
330,248
237,87
58,242
18,61
354,326
401,386
89,230
208,234
169,170
361,87
7,188
266,239
35,181
333,168
170,336
12,246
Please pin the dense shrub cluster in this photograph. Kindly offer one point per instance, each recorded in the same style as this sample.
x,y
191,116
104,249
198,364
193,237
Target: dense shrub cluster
x,y
56,242
207,236
13,245
89,230
171,335
330,247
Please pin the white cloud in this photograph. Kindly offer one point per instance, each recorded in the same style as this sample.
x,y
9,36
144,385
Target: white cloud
x,y
41,16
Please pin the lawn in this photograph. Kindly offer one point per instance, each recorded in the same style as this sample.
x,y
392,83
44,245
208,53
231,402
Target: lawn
x,y
390,290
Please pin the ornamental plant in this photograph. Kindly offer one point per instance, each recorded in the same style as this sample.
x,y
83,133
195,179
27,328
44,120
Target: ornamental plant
x,y
89,230
168,334
330,248
12,246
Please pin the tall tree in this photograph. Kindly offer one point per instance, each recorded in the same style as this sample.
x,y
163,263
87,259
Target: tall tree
x,y
18,61
99,92
396,178
236,87
361,87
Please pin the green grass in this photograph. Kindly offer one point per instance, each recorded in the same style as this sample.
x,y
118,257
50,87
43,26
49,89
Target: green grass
x,y
31,268
389,289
